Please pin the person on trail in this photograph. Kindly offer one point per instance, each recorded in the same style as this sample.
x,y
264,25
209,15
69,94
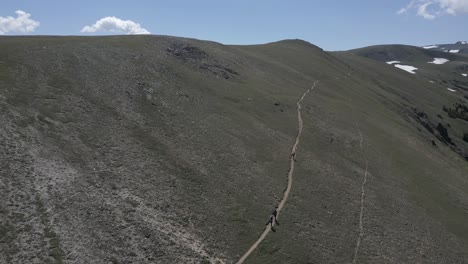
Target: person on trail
x,y
275,215
270,221
273,219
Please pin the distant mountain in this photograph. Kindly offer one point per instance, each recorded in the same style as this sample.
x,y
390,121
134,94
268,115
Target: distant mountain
x,y
386,53
448,69
458,47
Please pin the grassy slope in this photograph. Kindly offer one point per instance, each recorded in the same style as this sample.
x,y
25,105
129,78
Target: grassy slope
x,y
448,74
141,154
462,48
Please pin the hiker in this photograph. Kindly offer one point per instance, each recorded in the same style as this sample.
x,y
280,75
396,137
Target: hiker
x,y
270,221
275,214
273,219
433,143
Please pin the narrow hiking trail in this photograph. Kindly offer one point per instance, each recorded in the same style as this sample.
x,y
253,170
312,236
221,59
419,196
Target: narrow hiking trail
x,y
290,177
363,196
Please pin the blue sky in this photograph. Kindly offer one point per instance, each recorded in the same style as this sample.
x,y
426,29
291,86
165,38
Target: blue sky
x,y
332,24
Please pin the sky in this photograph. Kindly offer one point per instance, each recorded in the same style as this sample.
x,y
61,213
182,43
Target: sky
x,y
330,24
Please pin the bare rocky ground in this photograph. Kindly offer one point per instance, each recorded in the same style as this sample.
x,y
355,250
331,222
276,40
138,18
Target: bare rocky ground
x,y
153,149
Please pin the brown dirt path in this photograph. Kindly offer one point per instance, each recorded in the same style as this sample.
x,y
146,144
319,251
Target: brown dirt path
x,y
290,177
363,195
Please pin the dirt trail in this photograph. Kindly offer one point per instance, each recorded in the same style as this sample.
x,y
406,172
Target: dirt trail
x,y
363,195
290,177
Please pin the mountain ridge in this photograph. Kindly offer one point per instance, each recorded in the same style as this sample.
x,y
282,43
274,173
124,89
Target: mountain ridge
x,y
164,149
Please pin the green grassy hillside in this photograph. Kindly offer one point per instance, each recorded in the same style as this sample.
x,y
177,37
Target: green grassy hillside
x,y
156,149
452,74
404,53
458,47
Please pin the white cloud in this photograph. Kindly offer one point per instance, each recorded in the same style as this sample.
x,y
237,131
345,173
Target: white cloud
x,y
422,11
19,24
115,25
454,7
405,9
430,9
402,11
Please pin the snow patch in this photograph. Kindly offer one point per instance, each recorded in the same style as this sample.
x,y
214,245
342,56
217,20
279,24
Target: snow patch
x,y
430,47
407,68
431,81
454,51
438,61
392,62
464,74
452,90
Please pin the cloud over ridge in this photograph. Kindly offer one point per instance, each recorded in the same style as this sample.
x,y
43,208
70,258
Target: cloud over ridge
x,y
22,23
115,25
431,9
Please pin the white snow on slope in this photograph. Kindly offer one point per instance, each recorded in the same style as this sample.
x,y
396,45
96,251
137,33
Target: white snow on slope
x,y
438,61
454,51
430,47
392,62
464,74
407,68
452,90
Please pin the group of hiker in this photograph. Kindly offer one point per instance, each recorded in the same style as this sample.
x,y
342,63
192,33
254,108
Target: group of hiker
x,y
272,220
